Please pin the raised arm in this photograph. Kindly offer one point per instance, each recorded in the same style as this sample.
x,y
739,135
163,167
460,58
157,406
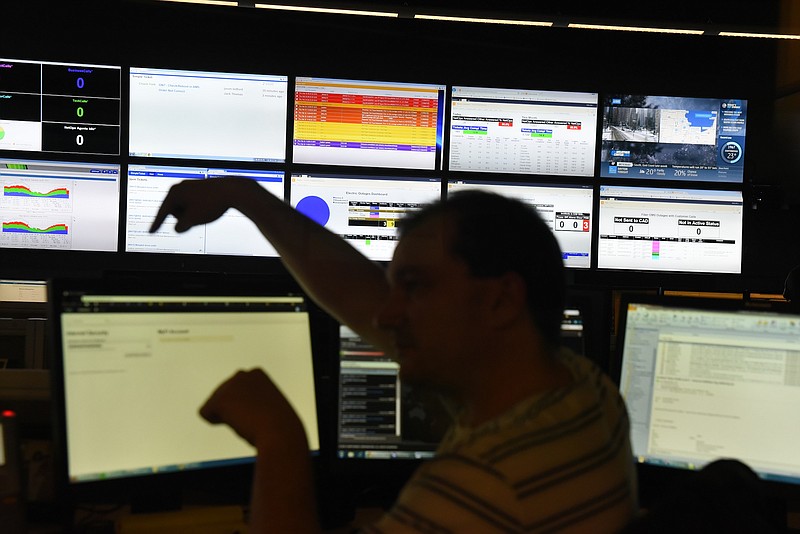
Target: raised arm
x,y
340,279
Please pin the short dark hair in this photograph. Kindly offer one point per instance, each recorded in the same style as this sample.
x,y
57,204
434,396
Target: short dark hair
x,y
495,235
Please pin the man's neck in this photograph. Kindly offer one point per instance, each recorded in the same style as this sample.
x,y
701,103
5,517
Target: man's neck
x,y
510,381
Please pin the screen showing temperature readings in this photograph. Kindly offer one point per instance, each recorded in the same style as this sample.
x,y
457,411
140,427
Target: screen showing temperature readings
x,y
59,107
673,138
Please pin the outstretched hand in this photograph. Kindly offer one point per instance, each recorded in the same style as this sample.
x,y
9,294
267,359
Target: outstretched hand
x,y
194,202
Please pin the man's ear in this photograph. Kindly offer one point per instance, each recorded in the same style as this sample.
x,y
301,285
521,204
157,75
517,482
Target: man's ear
x,y
509,298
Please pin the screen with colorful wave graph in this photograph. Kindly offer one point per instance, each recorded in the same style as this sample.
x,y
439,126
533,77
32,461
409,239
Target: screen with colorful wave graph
x,y
368,124
55,205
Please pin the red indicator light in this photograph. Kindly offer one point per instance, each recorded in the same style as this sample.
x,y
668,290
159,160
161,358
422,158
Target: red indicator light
x,y
8,413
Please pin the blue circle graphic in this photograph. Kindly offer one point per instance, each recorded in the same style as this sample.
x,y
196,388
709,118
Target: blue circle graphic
x,y
731,152
315,209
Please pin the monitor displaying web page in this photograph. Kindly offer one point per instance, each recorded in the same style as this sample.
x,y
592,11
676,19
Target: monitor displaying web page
x,y
208,115
706,379
673,138
231,234
23,290
59,205
566,209
132,370
368,123
670,229
523,131
364,210
59,107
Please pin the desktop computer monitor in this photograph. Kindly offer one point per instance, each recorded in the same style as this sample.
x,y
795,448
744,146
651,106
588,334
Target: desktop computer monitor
x,y
711,378
135,358
382,418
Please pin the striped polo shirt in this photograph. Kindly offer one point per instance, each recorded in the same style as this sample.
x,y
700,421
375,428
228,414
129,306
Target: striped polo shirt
x,y
557,462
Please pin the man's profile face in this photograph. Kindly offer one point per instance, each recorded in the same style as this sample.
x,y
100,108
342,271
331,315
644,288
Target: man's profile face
x,y
434,310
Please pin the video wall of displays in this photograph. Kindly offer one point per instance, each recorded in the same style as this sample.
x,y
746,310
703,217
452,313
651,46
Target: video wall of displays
x,y
627,181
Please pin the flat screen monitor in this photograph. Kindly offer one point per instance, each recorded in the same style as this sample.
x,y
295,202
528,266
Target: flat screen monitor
x,y
523,131
670,229
566,209
59,205
231,234
368,123
382,418
706,379
135,358
673,138
207,115
59,107
23,291
364,210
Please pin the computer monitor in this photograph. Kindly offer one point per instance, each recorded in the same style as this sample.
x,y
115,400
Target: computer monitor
x,y
523,131
233,234
59,205
670,229
711,378
59,107
673,138
368,123
382,418
207,115
365,210
566,209
134,358
28,291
